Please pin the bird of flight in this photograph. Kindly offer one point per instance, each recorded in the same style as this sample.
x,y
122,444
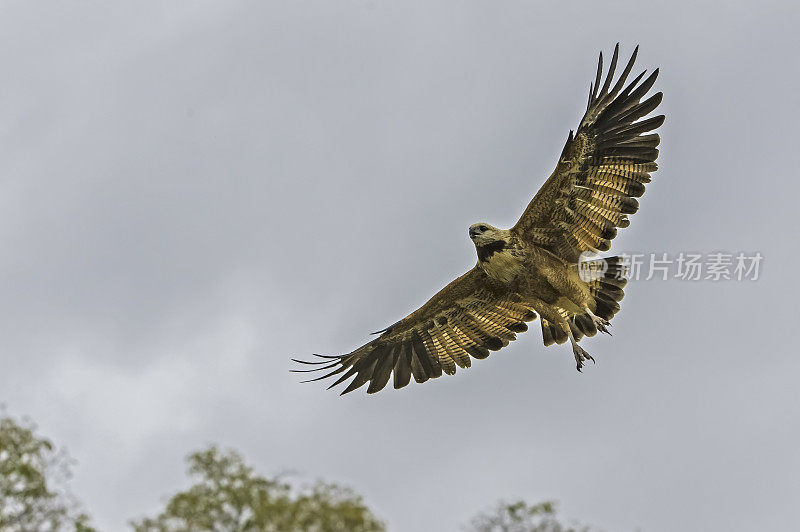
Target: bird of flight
x,y
532,268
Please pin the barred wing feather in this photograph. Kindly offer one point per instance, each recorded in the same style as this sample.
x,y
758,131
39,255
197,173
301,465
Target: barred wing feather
x,y
603,168
467,319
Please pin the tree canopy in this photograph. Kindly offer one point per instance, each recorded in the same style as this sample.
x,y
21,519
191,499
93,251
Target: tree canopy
x,y
228,496
520,516
33,482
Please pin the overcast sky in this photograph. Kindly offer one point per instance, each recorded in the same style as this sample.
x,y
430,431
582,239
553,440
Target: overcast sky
x,y
193,192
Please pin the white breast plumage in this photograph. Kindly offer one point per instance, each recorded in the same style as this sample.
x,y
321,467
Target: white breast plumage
x,y
503,266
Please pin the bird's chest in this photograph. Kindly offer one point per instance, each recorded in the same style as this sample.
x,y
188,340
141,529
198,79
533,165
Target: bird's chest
x,y
504,265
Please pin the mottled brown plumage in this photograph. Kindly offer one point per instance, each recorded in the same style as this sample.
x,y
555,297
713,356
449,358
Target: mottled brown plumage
x,y
532,268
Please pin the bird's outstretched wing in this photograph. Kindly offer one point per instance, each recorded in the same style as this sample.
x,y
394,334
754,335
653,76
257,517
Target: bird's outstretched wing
x,y
469,317
601,171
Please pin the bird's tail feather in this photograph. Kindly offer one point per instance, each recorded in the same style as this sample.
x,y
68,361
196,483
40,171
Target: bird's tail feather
x,y
608,289
607,292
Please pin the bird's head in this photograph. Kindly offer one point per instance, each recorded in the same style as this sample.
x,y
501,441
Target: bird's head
x,y
483,234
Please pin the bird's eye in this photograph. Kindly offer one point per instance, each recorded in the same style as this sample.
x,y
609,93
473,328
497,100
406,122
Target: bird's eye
x,y
483,228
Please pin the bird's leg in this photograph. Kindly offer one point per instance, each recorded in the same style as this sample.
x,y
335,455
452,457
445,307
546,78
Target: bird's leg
x,y
580,354
599,322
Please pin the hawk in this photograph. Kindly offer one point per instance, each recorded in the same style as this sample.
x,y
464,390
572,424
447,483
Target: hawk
x,y
536,266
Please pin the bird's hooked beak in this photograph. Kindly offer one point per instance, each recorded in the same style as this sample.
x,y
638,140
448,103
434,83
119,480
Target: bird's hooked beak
x,y
473,232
